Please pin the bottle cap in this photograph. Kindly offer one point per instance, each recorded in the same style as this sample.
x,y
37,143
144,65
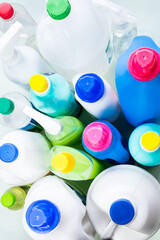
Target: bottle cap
x,y
63,162
42,216
39,83
8,152
144,64
150,141
58,9
6,11
8,199
122,212
89,88
6,106
97,136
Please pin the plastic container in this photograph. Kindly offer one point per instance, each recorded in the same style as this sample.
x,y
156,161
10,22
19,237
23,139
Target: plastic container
x,y
13,12
73,164
16,60
11,112
96,96
123,203
61,130
144,144
52,95
23,157
14,198
53,211
103,141
138,81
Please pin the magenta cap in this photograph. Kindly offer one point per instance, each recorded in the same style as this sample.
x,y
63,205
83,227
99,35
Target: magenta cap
x,y
144,64
97,136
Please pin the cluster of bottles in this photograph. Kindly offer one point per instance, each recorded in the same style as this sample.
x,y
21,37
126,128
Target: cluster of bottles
x,y
61,170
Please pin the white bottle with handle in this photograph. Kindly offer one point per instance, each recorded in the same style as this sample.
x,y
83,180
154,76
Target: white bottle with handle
x,y
96,95
23,157
54,211
123,203
20,63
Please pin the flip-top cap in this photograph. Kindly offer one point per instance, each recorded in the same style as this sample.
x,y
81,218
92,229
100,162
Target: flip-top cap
x,y
39,83
8,199
8,152
6,11
6,106
150,141
42,216
122,212
63,162
89,88
58,9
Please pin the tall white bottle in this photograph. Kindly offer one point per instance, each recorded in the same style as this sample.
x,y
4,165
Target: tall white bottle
x,y
20,63
123,203
23,157
54,211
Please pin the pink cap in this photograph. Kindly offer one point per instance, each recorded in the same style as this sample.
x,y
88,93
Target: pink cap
x,y
97,136
144,64
6,10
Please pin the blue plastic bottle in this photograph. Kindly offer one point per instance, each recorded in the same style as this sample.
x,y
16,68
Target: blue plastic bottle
x,y
138,81
103,141
52,95
144,144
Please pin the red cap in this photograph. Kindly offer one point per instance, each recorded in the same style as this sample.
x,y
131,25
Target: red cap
x,y
6,11
144,64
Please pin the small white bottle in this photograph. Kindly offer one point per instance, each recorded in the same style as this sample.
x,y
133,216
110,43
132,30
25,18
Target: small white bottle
x,y
11,111
23,157
53,210
96,96
123,203
19,63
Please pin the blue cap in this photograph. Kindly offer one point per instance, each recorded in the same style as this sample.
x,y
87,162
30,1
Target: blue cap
x,y
122,212
8,152
89,87
42,216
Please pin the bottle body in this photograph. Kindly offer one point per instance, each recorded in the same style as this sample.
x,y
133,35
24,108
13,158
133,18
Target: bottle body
x,y
23,157
57,100
127,191
137,81
103,141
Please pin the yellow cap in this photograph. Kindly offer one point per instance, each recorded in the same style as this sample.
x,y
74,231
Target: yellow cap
x,y
63,162
38,83
150,141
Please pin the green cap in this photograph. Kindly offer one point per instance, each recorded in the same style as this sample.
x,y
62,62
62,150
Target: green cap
x,y
6,106
58,9
8,199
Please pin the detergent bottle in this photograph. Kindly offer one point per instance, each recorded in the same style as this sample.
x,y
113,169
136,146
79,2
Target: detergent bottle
x,y
123,203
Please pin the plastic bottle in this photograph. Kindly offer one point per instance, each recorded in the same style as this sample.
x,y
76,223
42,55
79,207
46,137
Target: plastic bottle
x,y
61,130
73,164
103,141
14,198
138,82
53,211
11,13
144,144
23,157
22,62
123,203
52,95
11,111
73,35
96,96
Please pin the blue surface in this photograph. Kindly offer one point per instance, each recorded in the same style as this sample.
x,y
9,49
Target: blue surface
x,y
8,152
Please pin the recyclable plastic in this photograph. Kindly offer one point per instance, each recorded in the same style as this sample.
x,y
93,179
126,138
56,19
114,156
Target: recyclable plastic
x,y
123,203
52,95
23,157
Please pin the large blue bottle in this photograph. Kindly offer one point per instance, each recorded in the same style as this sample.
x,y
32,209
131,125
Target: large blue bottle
x,y
138,81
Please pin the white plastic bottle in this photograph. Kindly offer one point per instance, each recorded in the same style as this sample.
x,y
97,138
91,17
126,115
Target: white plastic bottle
x,y
11,111
123,203
12,12
96,96
53,211
22,62
23,157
